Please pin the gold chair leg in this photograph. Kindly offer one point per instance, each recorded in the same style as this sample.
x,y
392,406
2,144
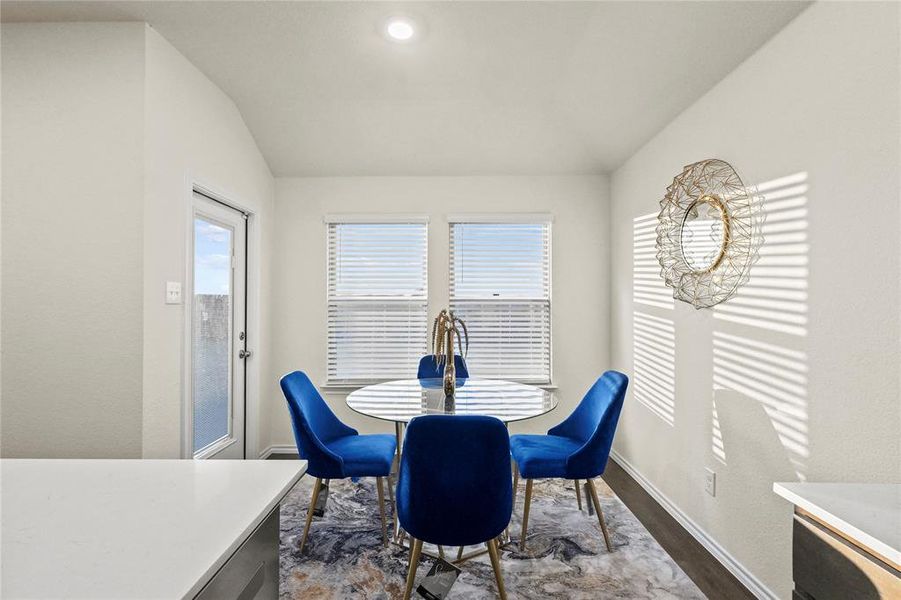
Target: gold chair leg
x,y
597,509
440,551
515,482
399,434
395,466
515,468
578,495
415,550
525,515
393,505
381,491
306,530
496,565
460,553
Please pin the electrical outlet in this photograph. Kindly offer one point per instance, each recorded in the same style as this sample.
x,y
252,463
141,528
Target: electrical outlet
x,y
710,482
173,292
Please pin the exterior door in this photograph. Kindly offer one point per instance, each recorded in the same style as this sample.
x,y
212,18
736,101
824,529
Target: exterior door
x,y
218,330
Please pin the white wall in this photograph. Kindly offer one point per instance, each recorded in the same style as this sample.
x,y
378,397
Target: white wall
x,y
819,101
580,269
194,135
106,127
72,239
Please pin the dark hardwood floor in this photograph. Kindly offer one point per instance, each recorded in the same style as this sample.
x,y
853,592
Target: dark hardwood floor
x,y
707,572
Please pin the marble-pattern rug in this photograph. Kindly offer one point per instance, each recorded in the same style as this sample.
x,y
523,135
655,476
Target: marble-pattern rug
x,y
565,555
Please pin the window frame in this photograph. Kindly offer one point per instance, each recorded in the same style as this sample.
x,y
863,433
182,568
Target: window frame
x,y
368,219
514,219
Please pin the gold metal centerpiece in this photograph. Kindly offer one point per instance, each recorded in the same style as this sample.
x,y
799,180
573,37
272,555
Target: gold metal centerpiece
x,y
448,332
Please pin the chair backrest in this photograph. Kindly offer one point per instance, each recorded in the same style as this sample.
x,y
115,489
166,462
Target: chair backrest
x,y
593,423
430,369
454,485
314,425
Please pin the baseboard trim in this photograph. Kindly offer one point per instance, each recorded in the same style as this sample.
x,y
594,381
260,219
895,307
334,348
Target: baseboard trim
x,y
754,585
278,449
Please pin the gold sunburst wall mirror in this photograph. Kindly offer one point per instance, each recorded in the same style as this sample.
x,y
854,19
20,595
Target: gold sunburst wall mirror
x,y
708,233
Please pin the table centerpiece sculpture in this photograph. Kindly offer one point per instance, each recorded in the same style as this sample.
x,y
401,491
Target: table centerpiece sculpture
x,y
445,329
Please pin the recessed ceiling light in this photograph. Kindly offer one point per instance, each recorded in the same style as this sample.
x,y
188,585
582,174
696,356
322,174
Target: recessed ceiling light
x,y
400,29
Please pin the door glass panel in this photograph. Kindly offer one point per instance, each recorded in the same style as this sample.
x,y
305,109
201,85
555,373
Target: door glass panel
x,y
211,339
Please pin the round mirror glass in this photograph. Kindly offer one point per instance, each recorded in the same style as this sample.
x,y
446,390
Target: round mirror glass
x,y
704,234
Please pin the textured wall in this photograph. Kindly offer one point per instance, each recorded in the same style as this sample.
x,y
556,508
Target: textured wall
x,y
797,377
106,128
72,210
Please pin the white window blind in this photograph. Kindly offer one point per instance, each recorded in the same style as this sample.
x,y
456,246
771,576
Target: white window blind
x,y
377,300
500,285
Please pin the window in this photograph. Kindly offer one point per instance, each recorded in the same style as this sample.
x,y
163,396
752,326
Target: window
x,y
377,300
500,285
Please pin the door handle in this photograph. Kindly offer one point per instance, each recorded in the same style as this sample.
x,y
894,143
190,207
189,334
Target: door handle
x,y
244,354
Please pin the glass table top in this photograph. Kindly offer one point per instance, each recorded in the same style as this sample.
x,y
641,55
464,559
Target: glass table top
x,y
404,399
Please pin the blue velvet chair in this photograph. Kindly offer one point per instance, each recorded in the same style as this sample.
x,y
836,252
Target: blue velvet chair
x,y
575,449
454,486
430,369
332,449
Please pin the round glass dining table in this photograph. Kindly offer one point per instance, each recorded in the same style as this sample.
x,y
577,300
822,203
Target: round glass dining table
x,y
402,400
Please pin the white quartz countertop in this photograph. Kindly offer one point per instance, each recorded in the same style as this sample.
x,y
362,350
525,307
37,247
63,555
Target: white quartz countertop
x,y
868,513
129,529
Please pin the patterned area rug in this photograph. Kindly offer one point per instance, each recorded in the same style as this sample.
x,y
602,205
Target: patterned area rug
x,y
565,556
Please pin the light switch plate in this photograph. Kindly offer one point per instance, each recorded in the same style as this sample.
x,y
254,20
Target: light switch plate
x,y
710,481
173,292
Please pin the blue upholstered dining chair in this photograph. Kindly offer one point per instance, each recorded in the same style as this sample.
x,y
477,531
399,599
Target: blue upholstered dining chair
x,y
575,449
332,449
430,369
454,485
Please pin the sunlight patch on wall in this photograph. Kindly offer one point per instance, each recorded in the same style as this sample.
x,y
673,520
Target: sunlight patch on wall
x,y
719,449
654,364
772,375
647,284
775,296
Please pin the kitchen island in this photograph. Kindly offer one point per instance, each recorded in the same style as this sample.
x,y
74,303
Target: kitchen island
x,y
846,539
141,529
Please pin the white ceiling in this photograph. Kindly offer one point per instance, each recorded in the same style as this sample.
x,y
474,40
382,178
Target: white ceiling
x,y
489,88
